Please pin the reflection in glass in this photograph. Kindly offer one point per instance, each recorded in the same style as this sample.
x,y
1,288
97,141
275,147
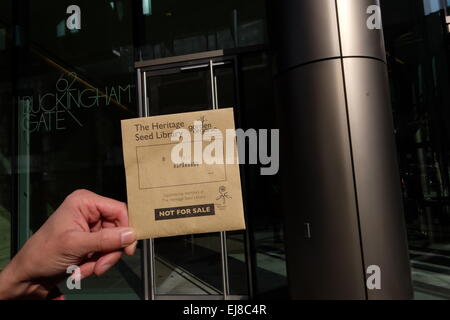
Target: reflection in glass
x,y
263,192
73,88
192,265
182,27
192,92
6,109
72,91
418,61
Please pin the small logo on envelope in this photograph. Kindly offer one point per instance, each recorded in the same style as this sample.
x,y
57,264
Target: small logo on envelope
x,y
185,212
223,195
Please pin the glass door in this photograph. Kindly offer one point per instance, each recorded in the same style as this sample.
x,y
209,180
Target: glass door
x,y
193,266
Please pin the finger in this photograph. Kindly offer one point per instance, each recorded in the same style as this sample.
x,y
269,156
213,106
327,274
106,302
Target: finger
x,y
109,224
88,265
105,240
94,207
106,262
96,226
130,250
112,210
87,269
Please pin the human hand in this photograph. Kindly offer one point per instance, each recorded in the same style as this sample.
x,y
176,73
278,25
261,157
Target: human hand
x,y
87,230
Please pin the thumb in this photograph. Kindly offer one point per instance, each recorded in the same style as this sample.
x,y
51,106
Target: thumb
x,y
105,240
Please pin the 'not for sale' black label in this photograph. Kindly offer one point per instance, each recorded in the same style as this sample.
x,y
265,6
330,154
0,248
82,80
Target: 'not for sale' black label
x,y
185,212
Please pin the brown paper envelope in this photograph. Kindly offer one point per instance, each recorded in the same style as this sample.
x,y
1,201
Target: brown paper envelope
x,y
169,199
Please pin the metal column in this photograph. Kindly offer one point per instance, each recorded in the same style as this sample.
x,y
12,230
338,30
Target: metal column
x,y
339,158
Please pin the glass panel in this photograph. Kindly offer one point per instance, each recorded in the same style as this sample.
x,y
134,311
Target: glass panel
x,y
237,263
193,92
418,60
181,27
192,264
236,253
431,6
226,91
6,107
5,236
73,89
185,264
263,192
188,265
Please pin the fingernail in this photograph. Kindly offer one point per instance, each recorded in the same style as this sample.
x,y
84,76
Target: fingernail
x,y
134,246
127,237
131,249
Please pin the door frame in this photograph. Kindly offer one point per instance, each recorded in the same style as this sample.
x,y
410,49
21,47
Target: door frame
x,y
148,252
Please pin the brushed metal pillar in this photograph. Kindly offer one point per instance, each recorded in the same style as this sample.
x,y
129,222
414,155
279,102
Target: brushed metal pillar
x,y
342,199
